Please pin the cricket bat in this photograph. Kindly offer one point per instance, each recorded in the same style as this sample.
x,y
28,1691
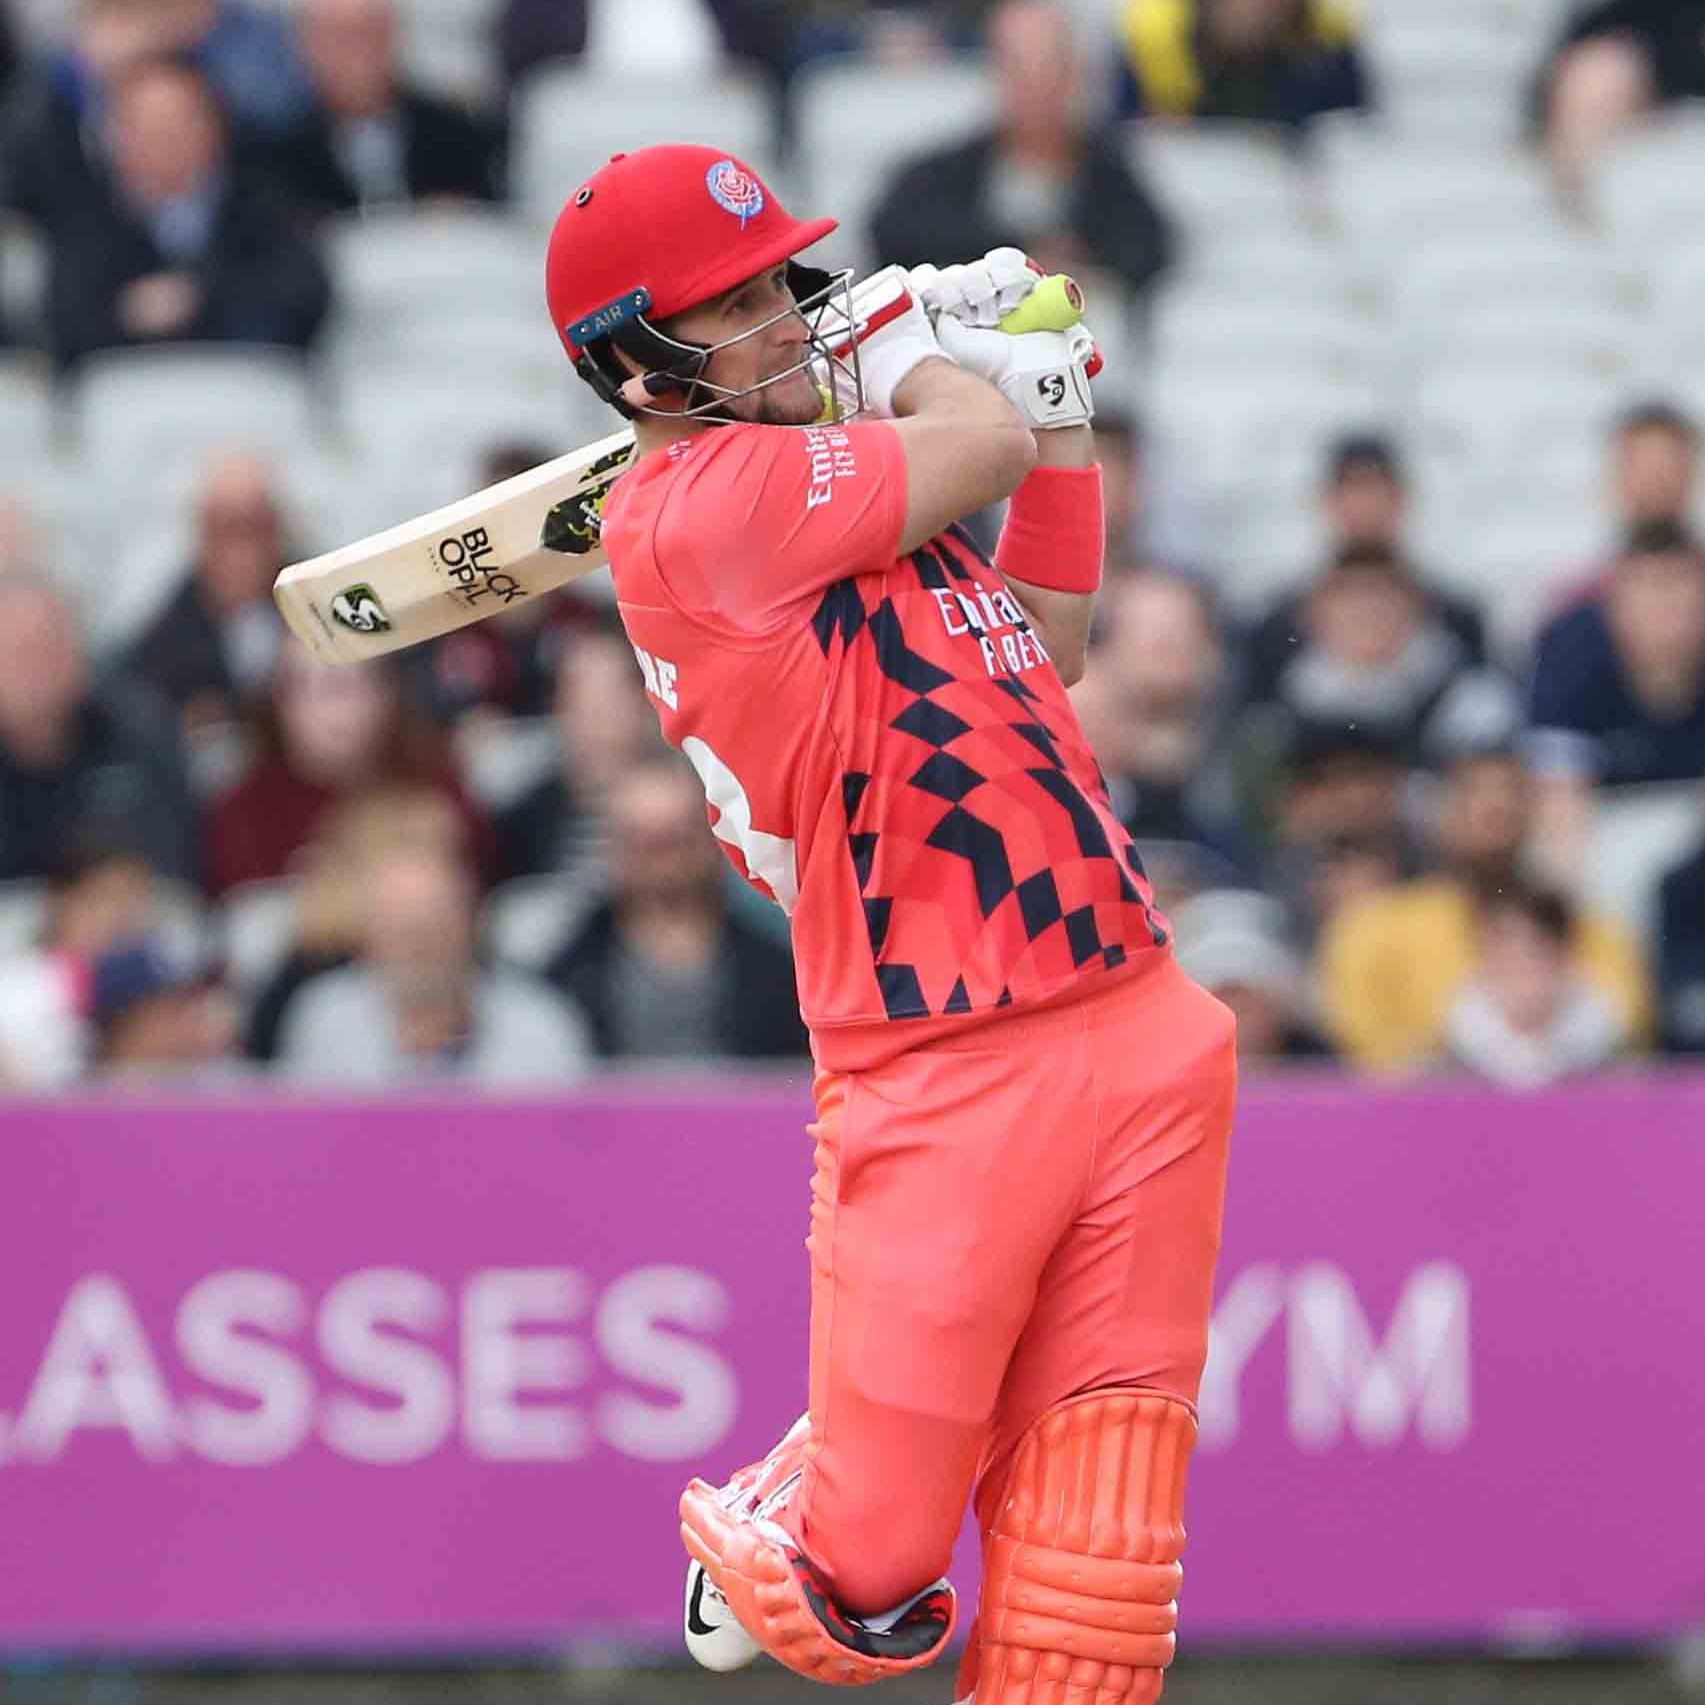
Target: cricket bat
x,y
531,534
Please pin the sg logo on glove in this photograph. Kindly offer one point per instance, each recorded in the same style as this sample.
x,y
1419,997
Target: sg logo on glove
x,y
1051,388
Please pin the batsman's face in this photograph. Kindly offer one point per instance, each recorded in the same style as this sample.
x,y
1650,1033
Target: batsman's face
x,y
762,351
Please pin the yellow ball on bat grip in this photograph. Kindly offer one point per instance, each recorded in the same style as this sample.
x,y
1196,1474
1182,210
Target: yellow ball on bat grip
x,y
1055,305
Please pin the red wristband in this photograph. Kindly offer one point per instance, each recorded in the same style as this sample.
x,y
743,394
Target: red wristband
x,y
1055,530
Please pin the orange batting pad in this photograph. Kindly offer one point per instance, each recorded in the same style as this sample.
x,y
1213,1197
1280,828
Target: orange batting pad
x,y
781,1601
1080,1566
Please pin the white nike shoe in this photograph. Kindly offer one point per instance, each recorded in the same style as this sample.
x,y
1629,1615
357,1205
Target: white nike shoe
x,y
713,1632
715,1638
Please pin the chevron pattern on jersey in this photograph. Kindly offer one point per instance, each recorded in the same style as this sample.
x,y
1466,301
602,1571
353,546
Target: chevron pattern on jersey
x,y
979,831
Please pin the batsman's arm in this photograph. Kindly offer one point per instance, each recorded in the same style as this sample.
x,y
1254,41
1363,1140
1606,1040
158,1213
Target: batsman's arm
x,y
1057,526
966,447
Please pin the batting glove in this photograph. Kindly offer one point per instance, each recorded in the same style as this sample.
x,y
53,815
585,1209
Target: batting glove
x,y
1042,374
979,292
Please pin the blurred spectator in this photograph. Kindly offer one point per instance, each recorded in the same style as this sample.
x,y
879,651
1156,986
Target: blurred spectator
x,y
10,59
211,651
507,665
185,248
326,734
1254,61
662,967
417,1004
1681,955
245,51
55,154
330,900
1370,649
1423,635
1618,59
1118,448
1392,965
604,726
371,137
103,892
1042,180
158,1013
1163,660
1237,945
1528,1016
1338,823
74,751
1654,465
58,135
534,32
1619,678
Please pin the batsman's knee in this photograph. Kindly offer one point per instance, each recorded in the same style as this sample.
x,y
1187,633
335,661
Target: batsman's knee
x,y
1081,1564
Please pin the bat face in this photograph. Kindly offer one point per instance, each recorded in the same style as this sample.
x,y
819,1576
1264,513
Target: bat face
x,y
472,559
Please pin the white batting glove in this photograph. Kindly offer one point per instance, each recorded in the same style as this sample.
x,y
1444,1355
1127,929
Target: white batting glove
x,y
1042,374
887,354
978,292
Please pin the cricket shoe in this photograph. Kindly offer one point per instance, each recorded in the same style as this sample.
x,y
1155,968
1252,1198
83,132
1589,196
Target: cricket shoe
x,y
713,1633
715,1639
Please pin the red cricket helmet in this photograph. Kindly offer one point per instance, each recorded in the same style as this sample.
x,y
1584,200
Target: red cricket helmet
x,y
651,234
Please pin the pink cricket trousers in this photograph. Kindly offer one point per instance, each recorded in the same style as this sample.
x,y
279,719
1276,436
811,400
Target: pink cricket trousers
x,y
998,1222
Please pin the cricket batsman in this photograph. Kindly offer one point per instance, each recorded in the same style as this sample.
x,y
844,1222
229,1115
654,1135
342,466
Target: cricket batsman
x,y
1023,1105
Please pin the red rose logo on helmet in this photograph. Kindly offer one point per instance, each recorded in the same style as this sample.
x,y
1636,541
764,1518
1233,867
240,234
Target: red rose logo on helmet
x,y
735,190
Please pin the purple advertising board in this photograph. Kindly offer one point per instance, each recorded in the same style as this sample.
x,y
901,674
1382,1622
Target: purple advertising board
x,y
430,1374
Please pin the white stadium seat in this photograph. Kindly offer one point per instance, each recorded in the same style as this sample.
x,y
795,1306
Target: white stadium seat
x,y
1201,330
1542,273
1223,184
1450,79
27,418
1392,201
394,265
858,124
570,119
528,919
130,582
671,36
1672,355
1514,569
24,265
1515,338
255,925
144,415
449,44
1647,189
1278,265
502,760
424,434
1639,835
1504,418
23,909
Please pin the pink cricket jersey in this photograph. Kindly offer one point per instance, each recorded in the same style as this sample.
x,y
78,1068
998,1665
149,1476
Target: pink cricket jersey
x,y
884,745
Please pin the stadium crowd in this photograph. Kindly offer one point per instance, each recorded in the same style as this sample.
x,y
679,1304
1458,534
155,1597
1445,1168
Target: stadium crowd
x,y
1380,810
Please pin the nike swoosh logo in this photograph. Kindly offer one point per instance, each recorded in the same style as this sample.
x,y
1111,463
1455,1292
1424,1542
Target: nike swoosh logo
x,y
696,1624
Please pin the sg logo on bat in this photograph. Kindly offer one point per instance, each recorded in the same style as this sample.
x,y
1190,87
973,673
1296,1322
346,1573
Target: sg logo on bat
x,y
358,609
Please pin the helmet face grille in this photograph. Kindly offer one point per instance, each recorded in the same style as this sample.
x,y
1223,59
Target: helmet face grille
x,y
671,364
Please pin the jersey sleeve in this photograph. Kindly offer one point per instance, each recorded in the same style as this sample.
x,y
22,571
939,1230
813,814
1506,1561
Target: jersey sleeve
x,y
760,517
